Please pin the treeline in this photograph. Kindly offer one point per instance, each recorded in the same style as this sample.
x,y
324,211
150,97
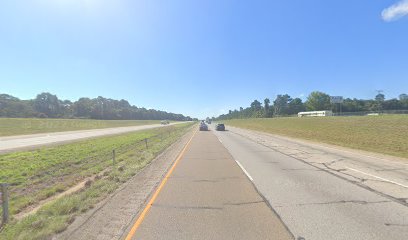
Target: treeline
x,y
284,105
47,105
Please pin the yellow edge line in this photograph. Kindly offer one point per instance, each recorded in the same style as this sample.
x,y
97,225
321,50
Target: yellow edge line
x,y
150,203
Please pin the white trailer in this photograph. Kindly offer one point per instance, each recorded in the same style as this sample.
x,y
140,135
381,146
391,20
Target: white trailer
x,y
315,114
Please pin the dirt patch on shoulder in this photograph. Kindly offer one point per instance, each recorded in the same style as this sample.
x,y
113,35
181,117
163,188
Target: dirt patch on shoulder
x,y
33,209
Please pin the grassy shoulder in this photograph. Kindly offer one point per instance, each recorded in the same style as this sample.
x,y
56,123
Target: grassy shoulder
x,y
41,174
21,126
386,134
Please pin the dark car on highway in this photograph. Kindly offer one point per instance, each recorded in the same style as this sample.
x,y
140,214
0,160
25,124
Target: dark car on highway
x,y
220,127
203,127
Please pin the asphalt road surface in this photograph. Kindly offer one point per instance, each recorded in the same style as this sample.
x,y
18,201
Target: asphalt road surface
x,y
208,196
14,143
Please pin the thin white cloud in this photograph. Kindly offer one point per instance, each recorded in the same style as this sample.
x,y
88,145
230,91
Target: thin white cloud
x,y
395,11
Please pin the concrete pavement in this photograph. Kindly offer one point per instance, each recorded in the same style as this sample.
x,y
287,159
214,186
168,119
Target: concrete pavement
x,y
386,175
313,201
208,196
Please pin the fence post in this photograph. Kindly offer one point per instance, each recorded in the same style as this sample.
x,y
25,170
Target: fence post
x,y
146,143
4,198
113,157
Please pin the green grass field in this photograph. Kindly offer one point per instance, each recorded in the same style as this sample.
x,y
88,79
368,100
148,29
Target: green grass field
x,y
386,134
40,174
20,126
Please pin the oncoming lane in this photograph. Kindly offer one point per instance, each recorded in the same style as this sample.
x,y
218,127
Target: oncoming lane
x,y
14,143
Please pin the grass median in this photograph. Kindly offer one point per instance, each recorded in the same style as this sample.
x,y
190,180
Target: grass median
x,y
386,134
38,175
20,126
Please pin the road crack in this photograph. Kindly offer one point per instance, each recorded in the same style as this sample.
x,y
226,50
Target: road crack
x,y
343,202
243,203
187,207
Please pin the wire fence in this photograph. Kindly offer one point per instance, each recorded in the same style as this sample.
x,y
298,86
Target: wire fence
x,y
90,166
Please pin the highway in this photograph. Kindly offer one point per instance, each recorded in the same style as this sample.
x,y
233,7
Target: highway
x,y
14,143
318,202
233,185
241,184
208,196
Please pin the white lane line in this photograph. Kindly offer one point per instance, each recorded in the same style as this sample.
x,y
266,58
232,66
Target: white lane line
x,y
383,179
245,171
218,138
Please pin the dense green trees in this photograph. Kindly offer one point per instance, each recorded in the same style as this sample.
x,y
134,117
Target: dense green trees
x,y
48,105
281,104
318,101
256,105
295,106
284,105
13,107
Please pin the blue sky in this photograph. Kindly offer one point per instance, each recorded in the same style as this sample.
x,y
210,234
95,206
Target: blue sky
x,y
202,58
